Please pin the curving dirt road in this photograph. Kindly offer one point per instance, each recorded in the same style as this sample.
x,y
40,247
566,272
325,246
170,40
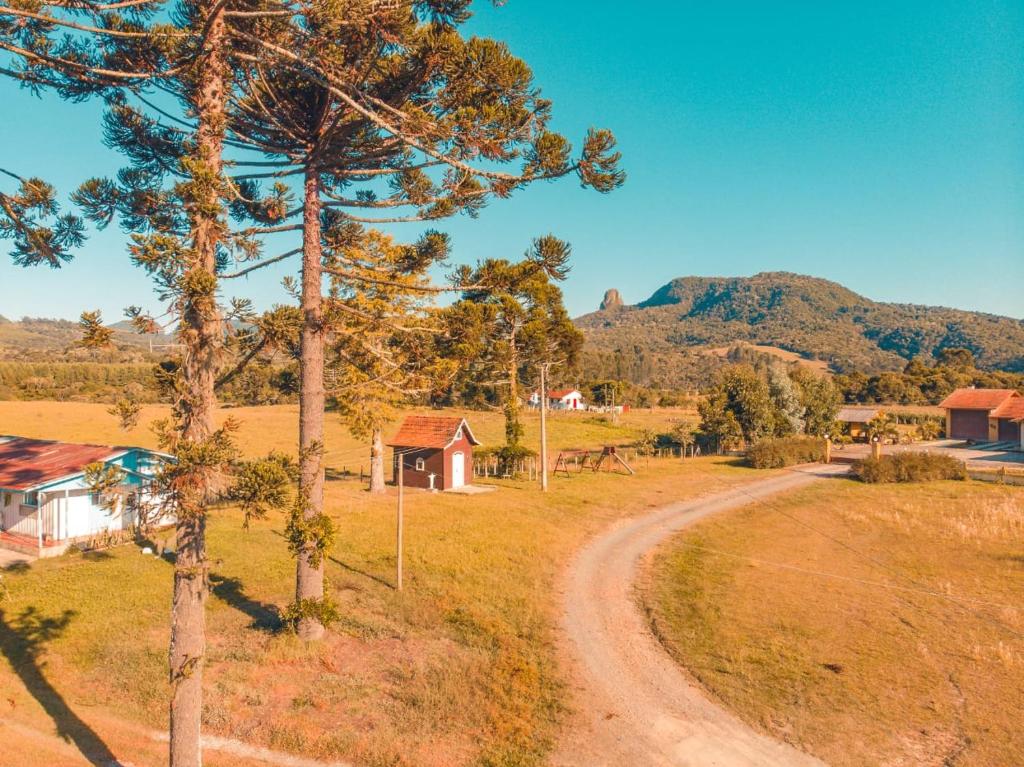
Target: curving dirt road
x,y
636,706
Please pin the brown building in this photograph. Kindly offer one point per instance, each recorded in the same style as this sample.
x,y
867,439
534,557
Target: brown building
x,y
855,420
437,451
984,415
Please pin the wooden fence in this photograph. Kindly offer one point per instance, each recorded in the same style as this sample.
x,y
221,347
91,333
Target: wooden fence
x,y
529,468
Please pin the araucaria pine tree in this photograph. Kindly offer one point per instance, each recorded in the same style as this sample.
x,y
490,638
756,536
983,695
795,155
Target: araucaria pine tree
x,y
387,115
384,351
516,321
173,199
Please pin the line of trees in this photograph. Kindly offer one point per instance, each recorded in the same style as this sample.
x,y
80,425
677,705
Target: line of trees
x,y
921,383
748,404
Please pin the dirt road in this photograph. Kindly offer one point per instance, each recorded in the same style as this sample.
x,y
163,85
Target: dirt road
x,y
636,707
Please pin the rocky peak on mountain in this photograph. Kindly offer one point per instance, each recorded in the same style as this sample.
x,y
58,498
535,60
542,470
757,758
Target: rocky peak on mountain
x,y
612,300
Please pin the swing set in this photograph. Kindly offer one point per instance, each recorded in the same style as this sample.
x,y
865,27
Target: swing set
x,y
609,457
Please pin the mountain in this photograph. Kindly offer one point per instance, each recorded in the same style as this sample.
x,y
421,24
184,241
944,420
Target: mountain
x,y
812,317
33,338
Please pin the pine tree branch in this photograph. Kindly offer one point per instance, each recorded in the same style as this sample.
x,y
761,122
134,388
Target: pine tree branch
x,y
269,229
7,10
241,365
350,275
99,72
395,202
274,174
84,5
260,265
328,82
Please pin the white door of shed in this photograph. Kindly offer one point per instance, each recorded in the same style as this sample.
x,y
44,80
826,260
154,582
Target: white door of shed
x,y
458,469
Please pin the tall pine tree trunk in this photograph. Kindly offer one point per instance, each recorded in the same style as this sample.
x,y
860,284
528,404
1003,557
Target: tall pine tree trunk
x,y
377,461
309,579
201,334
513,429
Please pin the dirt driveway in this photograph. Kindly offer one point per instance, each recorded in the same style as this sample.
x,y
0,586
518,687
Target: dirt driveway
x,y
636,707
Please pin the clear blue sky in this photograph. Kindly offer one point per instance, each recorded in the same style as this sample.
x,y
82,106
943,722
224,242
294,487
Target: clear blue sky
x,y
877,144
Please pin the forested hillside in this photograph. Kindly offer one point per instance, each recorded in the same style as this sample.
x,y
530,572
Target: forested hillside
x,y
670,334
40,339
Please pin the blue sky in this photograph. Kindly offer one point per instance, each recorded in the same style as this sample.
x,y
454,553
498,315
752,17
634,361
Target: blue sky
x,y
880,145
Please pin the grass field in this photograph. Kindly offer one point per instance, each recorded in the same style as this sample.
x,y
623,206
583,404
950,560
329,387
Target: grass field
x,y
276,427
458,669
870,625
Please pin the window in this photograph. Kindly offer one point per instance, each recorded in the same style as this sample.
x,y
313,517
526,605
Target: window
x,y
32,499
458,434
7,499
421,465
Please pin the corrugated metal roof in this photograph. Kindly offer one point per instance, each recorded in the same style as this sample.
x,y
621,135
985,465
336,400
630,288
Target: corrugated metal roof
x,y
977,399
435,431
28,463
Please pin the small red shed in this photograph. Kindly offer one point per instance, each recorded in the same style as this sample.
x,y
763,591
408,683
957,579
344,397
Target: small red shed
x,y
437,451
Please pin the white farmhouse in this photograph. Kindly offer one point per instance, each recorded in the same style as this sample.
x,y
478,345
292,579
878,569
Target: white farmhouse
x,y
561,399
45,503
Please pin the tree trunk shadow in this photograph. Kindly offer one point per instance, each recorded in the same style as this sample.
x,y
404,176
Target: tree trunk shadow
x,y
265,616
22,641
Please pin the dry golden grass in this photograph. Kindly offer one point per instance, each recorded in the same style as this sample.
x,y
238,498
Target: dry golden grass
x,y
459,669
870,625
276,427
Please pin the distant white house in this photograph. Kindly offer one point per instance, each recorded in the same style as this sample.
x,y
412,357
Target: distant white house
x,y
561,399
45,503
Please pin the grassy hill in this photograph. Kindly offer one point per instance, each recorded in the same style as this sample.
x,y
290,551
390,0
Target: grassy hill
x,y
39,339
682,322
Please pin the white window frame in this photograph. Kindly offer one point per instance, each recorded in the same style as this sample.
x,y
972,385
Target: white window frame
x,y
421,464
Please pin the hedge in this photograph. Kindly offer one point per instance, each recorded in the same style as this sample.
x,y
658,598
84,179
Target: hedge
x,y
909,467
779,452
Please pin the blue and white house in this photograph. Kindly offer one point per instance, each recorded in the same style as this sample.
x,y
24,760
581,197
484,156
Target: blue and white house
x,y
46,504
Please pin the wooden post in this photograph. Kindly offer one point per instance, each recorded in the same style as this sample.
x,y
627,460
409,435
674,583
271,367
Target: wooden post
x,y
544,428
876,447
401,515
828,449
39,520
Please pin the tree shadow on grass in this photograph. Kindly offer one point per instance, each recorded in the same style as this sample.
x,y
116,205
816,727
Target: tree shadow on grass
x,y
357,571
265,616
22,641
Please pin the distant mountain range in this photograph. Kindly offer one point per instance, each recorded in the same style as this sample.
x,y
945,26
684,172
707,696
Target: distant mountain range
x,y
39,338
812,317
679,335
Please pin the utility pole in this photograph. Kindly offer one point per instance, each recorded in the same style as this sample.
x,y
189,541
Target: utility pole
x,y
544,427
401,515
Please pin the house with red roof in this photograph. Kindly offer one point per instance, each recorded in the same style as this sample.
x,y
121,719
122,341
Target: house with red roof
x,y
46,503
984,415
436,452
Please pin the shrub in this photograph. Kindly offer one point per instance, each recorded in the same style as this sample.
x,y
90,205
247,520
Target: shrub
x,y
780,452
909,467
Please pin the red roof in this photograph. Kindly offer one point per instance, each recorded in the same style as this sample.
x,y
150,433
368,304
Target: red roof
x,y
1012,409
977,399
28,463
559,393
437,431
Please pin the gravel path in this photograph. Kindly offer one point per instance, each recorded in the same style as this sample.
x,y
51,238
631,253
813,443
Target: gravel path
x,y
636,706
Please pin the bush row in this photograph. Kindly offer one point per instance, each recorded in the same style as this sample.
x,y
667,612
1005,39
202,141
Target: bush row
x,y
779,452
909,467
